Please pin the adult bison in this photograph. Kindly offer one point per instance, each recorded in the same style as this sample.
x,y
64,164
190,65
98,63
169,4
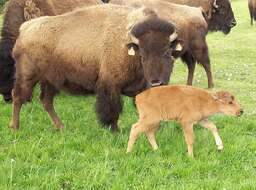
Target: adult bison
x,y
192,29
71,52
220,16
252,10
17,12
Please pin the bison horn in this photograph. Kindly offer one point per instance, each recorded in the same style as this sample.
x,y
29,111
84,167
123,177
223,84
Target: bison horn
x,y
173,36
134,40
215,4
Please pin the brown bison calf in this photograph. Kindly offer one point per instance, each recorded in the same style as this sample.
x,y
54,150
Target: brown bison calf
x,y
184,104
252,10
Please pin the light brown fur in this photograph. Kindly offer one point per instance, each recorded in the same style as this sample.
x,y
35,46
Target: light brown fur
x,y
185,104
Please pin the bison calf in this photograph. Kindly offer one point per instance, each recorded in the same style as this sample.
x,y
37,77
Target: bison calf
x,y
184,104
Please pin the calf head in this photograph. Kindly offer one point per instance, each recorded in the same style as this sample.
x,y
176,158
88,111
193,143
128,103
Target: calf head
x,y
227,103
222,16
155,40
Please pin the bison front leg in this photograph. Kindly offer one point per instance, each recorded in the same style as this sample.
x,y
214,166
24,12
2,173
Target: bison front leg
x,y
108,106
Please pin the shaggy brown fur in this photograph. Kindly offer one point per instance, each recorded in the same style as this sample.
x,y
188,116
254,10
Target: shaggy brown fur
x,y
17,12
72,53
252,10
220,16
192,29
184,104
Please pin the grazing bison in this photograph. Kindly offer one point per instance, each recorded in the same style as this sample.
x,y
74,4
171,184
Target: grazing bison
x,y
192,29
71,52
17,12
252,10
219,13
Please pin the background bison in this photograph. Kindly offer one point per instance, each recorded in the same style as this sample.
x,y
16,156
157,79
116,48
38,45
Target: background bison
x,y
16,12
70,52
252,10
192,30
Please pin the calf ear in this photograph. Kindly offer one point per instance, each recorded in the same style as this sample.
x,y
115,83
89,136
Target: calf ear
x,y
132,49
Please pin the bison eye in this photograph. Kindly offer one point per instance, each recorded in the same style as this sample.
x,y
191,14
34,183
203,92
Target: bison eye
x,y
230,102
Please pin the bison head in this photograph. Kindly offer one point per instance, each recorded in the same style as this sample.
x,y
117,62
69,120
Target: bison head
x,y
155,40
222,16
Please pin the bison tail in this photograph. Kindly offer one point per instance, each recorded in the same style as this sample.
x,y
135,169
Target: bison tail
x,y
108,107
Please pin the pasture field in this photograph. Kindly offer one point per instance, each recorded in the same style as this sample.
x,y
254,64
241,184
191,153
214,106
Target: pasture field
x,y
86,156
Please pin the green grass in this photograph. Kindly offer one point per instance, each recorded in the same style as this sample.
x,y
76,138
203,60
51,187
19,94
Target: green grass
x,y
85,156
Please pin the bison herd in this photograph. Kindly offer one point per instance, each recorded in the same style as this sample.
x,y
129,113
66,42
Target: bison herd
x,y
109,48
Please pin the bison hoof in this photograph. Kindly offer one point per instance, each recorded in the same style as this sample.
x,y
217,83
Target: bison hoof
x,y
8,98
13,127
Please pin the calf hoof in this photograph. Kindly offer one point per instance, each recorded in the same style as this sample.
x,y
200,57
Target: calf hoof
x,y
220,148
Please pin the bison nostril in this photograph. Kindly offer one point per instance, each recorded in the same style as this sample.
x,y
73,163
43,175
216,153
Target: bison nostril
x,y
154,83
241,112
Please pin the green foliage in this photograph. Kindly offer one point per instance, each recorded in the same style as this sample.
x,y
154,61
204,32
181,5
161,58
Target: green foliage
x,y
85,156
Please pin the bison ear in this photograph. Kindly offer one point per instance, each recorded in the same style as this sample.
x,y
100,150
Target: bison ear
x,y
132,48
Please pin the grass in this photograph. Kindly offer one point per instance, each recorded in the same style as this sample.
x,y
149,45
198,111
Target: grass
x,y
85,156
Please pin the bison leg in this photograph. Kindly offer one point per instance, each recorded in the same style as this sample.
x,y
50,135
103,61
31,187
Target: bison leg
x,y
202,56
191,64
151,136
108,106
47,95
21,93
251,14
189,137
209,125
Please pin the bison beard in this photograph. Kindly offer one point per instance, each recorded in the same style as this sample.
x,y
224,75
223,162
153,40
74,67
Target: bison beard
x,y
108,106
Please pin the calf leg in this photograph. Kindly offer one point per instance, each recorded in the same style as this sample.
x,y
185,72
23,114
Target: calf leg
x,y
47,95
108,106
151,136
189,137
191,64
209,125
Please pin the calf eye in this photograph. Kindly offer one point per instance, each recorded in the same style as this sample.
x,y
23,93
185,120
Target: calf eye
x,y
230,102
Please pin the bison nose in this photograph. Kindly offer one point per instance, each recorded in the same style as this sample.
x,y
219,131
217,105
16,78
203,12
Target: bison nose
x,y
233,24
8,98
155,83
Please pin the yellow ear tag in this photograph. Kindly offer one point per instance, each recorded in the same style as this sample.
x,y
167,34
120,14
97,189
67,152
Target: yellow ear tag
x,y
178,47
131,51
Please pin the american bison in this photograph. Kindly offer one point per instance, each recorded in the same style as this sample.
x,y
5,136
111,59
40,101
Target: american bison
x,y
71,52
220,16
187,105
192,29
17,12
252,10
